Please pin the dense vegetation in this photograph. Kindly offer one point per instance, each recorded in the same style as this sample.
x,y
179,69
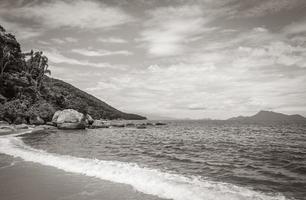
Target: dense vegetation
x,y
27,95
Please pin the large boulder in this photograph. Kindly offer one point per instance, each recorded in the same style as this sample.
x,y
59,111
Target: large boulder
x,y
69,119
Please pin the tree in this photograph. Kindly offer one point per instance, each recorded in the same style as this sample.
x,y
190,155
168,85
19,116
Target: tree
x,y
37,66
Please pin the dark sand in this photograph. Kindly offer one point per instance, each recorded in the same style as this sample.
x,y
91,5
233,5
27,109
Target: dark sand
x,y
29,181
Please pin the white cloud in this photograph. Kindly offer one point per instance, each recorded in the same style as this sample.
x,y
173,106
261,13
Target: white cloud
x,y
77,13
101,52
71,39
58,58
112,40
64,40
170,27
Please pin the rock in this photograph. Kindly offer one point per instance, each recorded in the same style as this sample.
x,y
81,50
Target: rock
x,y
55,116
67,116
6,129
118,125
149,124
4,123
89,119
50,124
68,126
99,124
21,126
69,119
141,126
130,125
37,121
46,127
160,124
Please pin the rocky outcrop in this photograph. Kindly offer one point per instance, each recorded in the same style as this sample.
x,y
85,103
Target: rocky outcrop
x,y
141,126
100,124
89,119
160,124
69,119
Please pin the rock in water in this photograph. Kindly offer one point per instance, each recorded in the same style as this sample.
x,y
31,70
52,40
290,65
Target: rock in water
x,y
99,124
69,119
21,126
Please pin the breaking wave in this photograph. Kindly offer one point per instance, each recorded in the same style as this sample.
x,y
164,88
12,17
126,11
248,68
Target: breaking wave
x,y
149,181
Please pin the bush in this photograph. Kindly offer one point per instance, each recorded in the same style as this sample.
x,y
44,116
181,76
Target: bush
x,y
13,110
41,109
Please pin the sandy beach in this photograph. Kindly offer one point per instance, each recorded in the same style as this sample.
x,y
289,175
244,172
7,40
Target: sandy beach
x,y
28,181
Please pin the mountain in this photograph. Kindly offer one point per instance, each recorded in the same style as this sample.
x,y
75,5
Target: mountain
x,y
28,95
269,116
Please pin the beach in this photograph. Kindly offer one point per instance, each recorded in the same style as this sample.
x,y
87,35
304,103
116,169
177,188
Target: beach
x,y
30,181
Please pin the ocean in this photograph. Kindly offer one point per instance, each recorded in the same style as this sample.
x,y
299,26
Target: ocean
x,y
184,160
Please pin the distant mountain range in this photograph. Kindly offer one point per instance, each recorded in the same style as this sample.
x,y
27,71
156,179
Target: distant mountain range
x,y
269,116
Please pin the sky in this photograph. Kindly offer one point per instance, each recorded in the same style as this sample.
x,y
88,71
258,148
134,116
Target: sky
x,y
176,58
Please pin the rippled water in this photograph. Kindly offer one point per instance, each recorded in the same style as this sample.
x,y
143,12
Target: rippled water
x,y
269,159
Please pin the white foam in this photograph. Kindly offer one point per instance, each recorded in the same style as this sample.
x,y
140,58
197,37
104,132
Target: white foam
x,y
149,181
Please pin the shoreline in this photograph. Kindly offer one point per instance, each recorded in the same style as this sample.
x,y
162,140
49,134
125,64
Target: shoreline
x,y
28,181
38,181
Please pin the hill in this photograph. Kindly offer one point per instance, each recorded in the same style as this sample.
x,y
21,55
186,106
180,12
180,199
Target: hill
x,y
269,116
28,95
64,95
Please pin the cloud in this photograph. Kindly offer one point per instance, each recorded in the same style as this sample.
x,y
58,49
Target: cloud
x,y
22,32
71,39
58,58
169,28
295,28
64,40
244,73
112,40
76,14
262,8
101,52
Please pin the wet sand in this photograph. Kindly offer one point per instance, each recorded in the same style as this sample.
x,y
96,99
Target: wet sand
x,y
29,181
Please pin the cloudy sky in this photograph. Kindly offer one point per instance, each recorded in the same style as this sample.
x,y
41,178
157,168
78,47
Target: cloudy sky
x,y
176,58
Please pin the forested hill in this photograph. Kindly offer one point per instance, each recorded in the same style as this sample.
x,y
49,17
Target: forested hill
x,y
28,94
69,96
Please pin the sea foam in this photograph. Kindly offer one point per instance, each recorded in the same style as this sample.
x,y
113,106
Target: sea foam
x,y
149,181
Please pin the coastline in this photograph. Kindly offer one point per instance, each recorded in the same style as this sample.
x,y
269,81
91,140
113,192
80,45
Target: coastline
x,y
28,180
138,182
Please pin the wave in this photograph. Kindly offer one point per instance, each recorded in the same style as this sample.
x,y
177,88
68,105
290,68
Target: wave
x,y
149,181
